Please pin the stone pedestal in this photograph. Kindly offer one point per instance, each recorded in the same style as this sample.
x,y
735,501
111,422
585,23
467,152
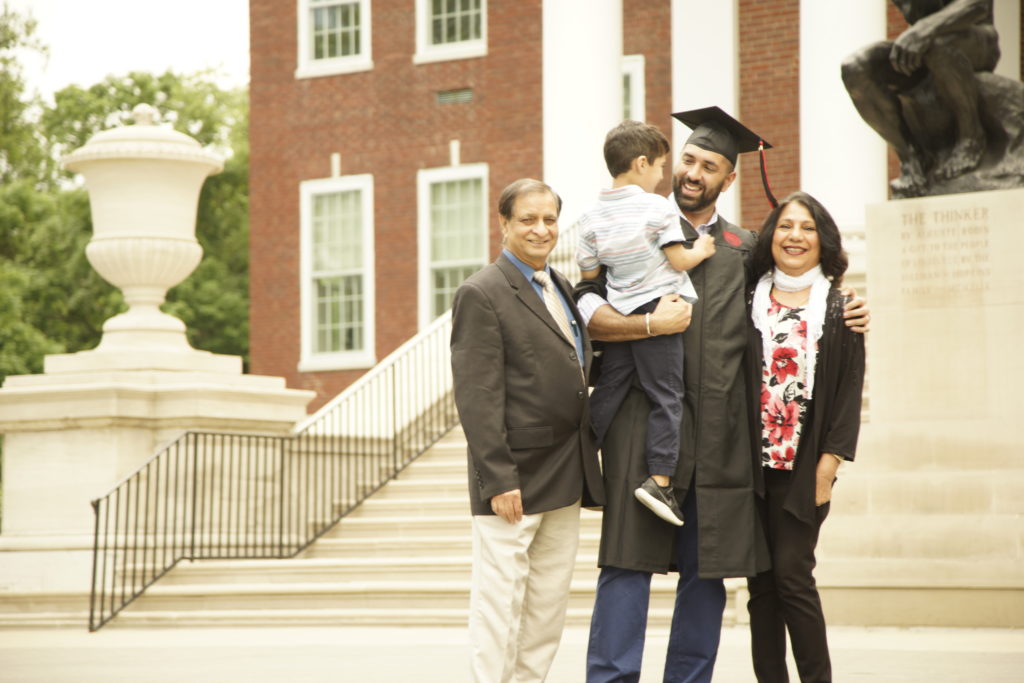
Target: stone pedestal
x,y
946,276
930,519
71,438
72,434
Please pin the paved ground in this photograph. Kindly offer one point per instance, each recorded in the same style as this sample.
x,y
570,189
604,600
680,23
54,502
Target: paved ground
x,y
437,655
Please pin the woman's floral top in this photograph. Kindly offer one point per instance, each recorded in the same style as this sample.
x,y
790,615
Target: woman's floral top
x,y
784,386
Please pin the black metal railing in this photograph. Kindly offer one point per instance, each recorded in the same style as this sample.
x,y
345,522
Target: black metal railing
x,y
211,495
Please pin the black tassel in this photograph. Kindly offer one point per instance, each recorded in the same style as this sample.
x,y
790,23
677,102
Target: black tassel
x,y
764,177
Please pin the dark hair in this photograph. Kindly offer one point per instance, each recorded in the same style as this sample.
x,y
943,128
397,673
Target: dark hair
x,y
517,188
629,140
833,258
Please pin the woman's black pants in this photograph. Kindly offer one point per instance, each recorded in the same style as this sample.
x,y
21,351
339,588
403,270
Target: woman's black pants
x,y
786,597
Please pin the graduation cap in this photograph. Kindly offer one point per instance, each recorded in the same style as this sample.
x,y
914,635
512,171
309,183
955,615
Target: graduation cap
x,y
716,131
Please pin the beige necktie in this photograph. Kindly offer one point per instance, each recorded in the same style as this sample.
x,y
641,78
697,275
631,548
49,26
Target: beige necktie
x,y
554,304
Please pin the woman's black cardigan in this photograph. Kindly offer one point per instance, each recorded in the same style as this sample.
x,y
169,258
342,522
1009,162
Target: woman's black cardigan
x,y
832,420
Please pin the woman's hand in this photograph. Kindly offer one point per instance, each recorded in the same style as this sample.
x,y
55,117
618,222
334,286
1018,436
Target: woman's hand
x,y
828,465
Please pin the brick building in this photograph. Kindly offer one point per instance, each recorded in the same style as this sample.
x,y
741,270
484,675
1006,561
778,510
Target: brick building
x,y
382,132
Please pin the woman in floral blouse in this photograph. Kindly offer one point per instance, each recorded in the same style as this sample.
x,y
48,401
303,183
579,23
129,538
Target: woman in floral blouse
x,y
809,368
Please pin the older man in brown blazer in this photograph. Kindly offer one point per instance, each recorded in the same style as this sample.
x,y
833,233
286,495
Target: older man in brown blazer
x,y
520,359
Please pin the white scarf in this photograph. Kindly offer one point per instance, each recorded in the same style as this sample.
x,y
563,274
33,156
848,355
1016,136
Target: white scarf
x,y
814,313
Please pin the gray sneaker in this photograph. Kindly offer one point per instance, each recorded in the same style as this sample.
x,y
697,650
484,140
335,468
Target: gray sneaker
x,y
661,501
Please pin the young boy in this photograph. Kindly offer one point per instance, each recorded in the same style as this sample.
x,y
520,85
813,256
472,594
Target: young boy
x,y
636,235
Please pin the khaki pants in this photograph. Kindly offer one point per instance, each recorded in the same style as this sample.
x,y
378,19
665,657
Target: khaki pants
x,y
519,593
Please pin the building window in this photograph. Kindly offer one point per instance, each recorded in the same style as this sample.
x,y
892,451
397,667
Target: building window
x,y
633,90
334,37
337,287
455,21
450,29
453,235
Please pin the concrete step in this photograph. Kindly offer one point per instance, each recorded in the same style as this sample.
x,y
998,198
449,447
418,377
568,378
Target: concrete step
x,y
429,469
364,594
38,619
44,602
947,445
658,617
930,491
961,606
896,573
363,523
419,487
445,447
389,546
373,527
350,603
390,507
923,536
390,503
332,569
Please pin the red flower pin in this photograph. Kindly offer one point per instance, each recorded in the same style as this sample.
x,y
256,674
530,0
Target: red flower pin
x,y
732,238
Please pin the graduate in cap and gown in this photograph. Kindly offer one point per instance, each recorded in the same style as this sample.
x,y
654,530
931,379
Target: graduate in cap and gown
x,y
715,479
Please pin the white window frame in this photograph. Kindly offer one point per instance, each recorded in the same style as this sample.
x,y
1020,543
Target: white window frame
x,y
426,53
424,179
310,361
312,68
633,66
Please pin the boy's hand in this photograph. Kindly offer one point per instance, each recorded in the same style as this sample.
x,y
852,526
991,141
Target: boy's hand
x,y
705,245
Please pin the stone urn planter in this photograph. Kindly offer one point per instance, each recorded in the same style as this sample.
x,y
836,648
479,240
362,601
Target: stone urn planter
x,y
144,182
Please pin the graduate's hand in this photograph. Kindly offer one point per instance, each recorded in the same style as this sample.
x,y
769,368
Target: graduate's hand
x,y
671,315
508,505
856,311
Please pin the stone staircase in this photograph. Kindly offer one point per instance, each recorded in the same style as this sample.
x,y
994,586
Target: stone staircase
x,y
922,539
402,558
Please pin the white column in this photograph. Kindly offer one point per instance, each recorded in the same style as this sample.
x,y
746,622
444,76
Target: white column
x,y
1007,16
582,89
842,159
699,30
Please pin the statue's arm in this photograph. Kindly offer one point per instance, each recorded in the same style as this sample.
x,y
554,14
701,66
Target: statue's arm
x,y
956,16
911,46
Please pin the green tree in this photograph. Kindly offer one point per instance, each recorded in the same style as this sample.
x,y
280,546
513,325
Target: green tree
x,y
193,103
22,152
54,300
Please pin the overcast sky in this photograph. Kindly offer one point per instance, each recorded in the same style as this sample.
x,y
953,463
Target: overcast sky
x,y
89,39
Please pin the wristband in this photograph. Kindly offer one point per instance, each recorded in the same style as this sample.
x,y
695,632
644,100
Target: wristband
x,y
647,322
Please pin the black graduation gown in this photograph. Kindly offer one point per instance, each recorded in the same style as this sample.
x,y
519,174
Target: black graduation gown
x,y
716,454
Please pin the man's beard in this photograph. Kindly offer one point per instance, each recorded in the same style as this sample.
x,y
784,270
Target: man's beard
x,y
707,196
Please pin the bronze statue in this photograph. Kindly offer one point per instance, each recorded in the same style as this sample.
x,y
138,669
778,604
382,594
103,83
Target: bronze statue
x,y
930,93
